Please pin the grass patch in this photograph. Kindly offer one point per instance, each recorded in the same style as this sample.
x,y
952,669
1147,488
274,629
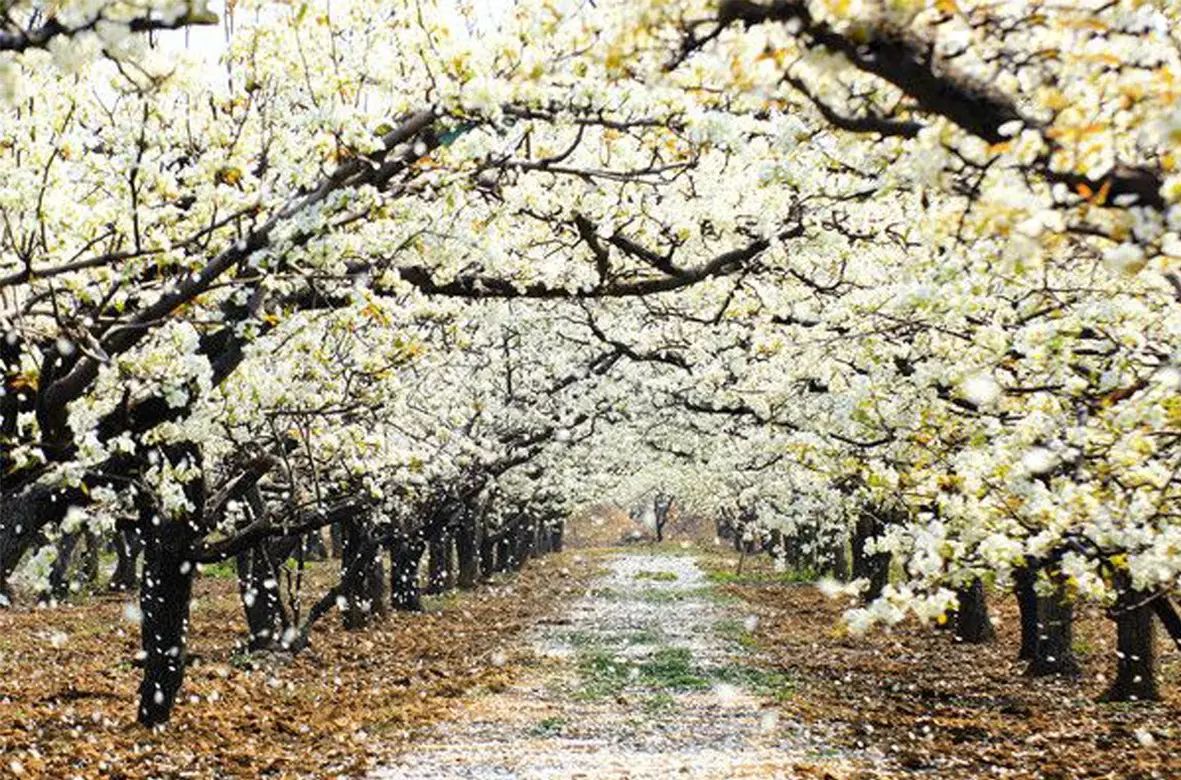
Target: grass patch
x,y
656,576
735,631
659,703
759,681
591,640
602,675
441,601
579,639
671,668
222,570
642,636
548,727
668,669
790,577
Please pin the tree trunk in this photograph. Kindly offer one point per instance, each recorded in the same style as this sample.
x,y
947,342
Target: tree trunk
x,y
556,536
467,551
362,583
488,545
1024,580
873,567
404,589
336,537
972,624
523,544
436,581
504,553
1135,678
258,587
1054,652
164,604
167,590
59,572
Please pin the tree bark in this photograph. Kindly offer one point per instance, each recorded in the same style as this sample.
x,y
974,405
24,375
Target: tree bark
x,y
404,588
838,558
1024,580
164,604
488,545
505,553
523,543
167,590
1135,678
59,572
336,537
1054,651
258,587
873,567
362,583
467,551
972,624
436,582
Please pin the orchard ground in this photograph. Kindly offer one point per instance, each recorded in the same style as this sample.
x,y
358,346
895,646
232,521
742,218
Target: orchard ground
x,y
644,661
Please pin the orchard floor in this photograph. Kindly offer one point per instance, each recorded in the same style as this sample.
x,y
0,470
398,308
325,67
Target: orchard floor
x,y
674,666
645,662
67,685
642,678
940,708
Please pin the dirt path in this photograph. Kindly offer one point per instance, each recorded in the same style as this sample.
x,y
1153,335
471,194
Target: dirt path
x,y
646,677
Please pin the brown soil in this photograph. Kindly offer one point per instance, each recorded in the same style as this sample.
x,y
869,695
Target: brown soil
x,y
940,708
67,687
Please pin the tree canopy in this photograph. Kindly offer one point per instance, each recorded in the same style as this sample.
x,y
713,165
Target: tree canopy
x,y
793,262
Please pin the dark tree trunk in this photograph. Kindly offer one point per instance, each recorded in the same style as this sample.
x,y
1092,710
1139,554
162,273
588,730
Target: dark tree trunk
x,y
1024,580
504,553
436,581
556,536
362,585
404,589
336,537
1054,651
873,567
167,590
524,545
972,624
91,558
467,551
488,545
258,587
374,577
59,572
1135,678
449,568
164,603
